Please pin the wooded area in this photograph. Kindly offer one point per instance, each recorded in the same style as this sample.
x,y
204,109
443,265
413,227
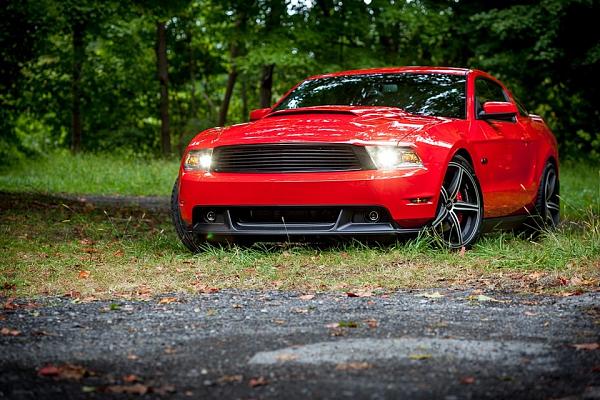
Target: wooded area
x,y
142,77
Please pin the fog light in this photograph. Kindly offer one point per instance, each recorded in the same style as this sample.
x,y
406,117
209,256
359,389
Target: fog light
x,y
373,216
420,200
211,216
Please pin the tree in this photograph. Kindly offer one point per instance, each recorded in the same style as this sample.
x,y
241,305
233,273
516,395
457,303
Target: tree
x,y
163,78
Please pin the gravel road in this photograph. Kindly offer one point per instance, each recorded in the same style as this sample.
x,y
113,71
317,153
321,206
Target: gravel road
x,y
240,344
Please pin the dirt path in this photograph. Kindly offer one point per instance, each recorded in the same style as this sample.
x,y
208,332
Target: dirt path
x,y
239,344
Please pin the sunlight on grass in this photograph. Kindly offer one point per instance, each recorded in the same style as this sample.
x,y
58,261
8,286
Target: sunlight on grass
x,y
63,172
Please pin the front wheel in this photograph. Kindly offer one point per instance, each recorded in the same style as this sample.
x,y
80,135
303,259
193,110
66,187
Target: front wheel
x,y
459,213
547,204
189,239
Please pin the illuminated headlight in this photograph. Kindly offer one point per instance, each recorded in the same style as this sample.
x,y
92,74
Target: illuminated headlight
x,y
198,160
392,157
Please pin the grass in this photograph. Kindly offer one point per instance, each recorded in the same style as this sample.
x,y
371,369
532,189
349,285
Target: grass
x,y
53,248
62,172
47,247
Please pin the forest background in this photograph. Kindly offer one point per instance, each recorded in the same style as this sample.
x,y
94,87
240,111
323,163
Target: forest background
x,y
142,77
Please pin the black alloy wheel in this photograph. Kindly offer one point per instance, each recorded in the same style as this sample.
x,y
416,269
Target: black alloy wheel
x,y
460,208
547,205
190,240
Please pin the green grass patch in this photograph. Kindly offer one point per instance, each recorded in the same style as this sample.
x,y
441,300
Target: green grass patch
x,y
87,173
47,247
55,248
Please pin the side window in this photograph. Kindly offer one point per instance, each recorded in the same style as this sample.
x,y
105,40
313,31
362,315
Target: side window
x,y
486,90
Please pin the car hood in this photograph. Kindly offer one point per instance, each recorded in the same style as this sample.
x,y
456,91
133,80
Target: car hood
x,y
338,124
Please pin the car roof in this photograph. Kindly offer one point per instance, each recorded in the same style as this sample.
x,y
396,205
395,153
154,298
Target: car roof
x,y
390,70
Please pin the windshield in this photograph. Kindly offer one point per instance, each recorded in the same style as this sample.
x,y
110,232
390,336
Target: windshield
x,y
442,95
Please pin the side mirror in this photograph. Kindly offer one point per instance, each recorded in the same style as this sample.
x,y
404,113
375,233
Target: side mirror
x,y
501,110
258,114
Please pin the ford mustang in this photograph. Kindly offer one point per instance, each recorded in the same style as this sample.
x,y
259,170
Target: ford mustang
x,y
375,152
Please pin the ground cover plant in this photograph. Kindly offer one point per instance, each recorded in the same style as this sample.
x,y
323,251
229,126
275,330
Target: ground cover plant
x,y
54,246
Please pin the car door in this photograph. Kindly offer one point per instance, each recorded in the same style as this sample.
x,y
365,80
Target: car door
x,y
503,146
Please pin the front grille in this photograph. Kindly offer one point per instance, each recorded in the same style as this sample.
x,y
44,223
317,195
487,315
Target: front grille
x,y
274,158
285,215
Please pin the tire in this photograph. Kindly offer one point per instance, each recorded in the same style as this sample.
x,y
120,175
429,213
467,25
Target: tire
x,y
190,240
459,214
547,204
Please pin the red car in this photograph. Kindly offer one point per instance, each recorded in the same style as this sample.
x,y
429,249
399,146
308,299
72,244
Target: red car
x,y
383,151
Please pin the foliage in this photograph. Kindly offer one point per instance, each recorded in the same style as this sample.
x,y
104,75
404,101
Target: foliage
x,y
546,51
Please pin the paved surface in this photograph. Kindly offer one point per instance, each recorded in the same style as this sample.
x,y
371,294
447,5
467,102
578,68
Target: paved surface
x,y
235,344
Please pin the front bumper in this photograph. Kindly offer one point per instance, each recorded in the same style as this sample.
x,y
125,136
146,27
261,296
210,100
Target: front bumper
x,y
348,221
395,193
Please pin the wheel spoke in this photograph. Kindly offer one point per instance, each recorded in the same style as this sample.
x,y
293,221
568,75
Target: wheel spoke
x,y
552,206
550,186
466,207
455,223
444,195
454,186
443,213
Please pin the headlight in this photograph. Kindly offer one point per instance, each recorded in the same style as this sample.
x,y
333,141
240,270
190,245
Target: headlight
x,y
392,157
198,160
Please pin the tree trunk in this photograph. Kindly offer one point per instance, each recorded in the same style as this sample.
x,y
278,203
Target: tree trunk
x,y
244,96
266,85
78,57
163,78
229,89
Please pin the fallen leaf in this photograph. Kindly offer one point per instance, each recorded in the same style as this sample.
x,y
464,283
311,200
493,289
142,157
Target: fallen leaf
x,y
372,323
168,300
119,253
48,370
170,350
65,371
348,324
132,357
131,378
467,380
287,357
360,293
163,390
419,356
279,321
307,297
434,295
84,274
260,381
462,251
569,294
484,298
137,388
333,325
40,333
9,304
72,294
587,346
300,310
352,366
230,379
9,332
562,281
